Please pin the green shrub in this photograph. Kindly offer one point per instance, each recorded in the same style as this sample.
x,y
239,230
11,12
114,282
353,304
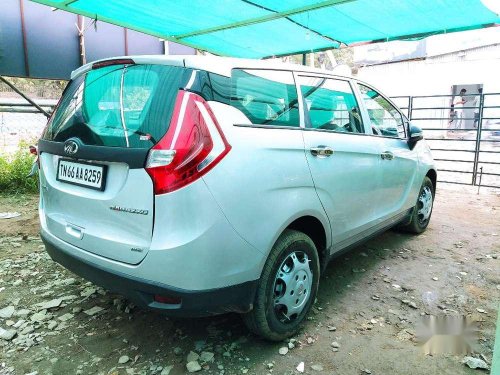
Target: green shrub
x,y
14,170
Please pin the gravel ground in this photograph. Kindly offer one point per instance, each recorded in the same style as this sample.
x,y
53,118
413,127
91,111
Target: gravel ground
x,y
369,302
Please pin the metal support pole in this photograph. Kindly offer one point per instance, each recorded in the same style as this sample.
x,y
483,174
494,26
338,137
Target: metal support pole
x,y
81,39
25,43
410,107
25,97
480,178
125,37
477,148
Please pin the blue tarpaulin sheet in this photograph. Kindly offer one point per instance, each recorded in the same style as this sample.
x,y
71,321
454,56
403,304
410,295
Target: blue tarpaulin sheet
x,y
265,28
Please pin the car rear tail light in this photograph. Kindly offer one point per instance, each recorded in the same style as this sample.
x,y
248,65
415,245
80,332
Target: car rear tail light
x,y
193,144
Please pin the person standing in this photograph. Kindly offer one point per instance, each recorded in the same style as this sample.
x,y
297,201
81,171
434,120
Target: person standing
x,y
459,110
477,102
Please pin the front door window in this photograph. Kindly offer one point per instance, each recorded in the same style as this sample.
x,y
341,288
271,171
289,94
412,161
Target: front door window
x,y
385,119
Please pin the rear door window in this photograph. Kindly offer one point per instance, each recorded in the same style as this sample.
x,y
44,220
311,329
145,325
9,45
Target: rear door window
x,y
118,105
331,105
266,97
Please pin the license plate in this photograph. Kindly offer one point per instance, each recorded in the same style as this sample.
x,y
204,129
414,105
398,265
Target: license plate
x,y
84,174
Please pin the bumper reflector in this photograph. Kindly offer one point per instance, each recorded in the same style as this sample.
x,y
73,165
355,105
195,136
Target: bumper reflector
x,y
168,300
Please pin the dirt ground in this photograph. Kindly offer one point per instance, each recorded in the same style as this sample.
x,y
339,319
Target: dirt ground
x,y
369,303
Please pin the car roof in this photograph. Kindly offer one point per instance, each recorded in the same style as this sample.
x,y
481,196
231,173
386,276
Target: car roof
x,y
214,64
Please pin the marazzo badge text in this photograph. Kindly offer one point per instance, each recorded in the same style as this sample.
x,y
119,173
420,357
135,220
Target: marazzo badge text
x,y
129,210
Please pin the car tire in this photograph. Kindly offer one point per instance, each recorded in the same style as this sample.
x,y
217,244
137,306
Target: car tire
x,y
421,214
287,287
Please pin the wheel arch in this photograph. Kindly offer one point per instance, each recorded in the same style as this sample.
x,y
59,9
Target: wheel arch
x,y
315,229
432,174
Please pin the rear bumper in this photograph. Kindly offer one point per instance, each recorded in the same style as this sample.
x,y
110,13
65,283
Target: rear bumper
x,y
235,298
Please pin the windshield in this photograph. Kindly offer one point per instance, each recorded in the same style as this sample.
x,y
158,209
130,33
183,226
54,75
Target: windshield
x,y
118,105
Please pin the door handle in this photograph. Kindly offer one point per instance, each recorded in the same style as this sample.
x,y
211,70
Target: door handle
x,y
322,151
387,155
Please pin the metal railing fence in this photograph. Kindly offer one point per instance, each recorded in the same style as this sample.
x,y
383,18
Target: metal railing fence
x,y
465,139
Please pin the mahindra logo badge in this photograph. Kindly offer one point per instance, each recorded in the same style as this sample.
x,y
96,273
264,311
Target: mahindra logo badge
x,y
70,147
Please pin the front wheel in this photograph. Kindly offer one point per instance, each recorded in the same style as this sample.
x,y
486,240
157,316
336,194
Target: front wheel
x,y
286,289
423,209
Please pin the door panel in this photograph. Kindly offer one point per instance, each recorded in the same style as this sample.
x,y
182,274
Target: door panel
x,y
263,126
343,160
398,174
398,163
346,181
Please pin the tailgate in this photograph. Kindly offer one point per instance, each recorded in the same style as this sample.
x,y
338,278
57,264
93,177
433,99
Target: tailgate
x,y
95,192
116,223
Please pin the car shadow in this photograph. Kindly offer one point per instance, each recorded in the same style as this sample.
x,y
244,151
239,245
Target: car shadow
x,y
227,336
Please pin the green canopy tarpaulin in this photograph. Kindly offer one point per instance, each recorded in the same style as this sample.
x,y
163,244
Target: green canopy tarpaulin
x,y
264,28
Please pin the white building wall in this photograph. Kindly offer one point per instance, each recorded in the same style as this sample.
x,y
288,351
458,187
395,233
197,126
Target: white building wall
x,y
436,75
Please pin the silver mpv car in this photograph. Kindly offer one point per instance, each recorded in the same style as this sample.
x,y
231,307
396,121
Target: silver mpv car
x,y
203,185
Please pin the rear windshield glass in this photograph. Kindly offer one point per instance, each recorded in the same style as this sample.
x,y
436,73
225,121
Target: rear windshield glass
x,y
118,105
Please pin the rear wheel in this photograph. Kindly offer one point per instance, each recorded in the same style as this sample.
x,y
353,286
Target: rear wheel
x,y
423,209
287,287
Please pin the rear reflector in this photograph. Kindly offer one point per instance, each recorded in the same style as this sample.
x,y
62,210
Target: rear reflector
x,y
34,151
168,300
193,144
102,64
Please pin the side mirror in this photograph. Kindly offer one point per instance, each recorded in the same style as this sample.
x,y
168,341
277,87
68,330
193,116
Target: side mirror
x,y
416,135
